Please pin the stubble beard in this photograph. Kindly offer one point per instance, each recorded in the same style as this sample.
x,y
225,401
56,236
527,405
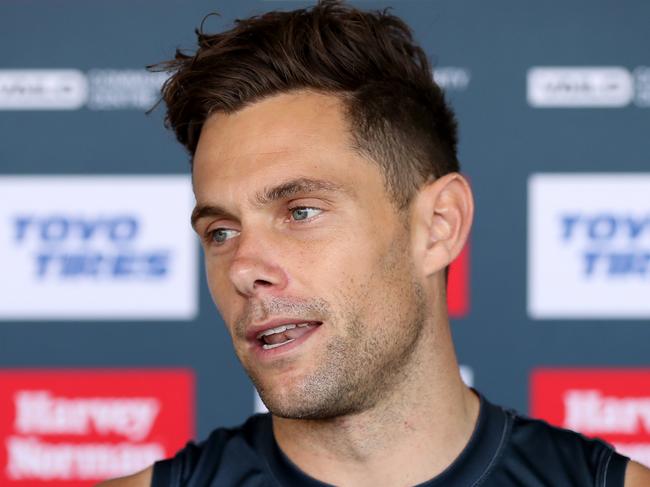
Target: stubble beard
x,y
356,371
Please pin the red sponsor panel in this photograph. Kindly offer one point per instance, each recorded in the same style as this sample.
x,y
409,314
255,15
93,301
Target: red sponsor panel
x,y
612,404
458,285
76,427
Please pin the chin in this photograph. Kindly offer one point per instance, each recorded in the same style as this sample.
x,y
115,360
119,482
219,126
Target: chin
x,y
286,402
304,411
303,401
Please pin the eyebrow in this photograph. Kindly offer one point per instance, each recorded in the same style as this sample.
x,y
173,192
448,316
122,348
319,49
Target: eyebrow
x,y
269,195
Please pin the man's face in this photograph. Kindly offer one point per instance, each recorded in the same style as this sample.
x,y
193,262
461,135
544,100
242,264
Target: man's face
x,y
307,258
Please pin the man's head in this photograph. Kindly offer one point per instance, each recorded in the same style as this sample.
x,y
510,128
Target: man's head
x,y
396,114
327,201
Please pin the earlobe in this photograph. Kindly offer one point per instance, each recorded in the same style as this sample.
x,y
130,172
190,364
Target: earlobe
x,y
443,216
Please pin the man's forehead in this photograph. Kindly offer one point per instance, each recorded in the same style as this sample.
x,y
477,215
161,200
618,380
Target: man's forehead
x,y
284,123
275,141
273,184
257,171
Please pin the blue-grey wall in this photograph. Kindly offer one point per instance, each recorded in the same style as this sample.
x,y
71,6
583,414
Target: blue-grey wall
x,y
486,50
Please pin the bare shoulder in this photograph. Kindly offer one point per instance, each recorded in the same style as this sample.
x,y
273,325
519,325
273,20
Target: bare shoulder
x,y
636,475
140,479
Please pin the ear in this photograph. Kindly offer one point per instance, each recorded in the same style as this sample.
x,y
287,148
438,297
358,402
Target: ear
x,y
442,215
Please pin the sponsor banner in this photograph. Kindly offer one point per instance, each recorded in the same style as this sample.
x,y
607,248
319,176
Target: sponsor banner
x,y
76,427
42,89
104,247
612,404
466,373
583,87
458,285
71,89
121,89
589,246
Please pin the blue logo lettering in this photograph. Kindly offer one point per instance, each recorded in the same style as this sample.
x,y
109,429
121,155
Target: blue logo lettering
x,y
615,244
64,247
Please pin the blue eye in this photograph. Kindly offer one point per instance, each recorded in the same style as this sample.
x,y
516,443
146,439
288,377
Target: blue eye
x,y
304,213
220,235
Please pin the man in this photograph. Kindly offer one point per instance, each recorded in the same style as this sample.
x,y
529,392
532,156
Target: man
x,y
330,205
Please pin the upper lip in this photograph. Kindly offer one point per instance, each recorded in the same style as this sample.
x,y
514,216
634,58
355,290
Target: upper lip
x,y
253,331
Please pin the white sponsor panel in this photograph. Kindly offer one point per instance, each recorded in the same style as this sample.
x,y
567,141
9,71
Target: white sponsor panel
x,y
575,87
42,89
103,247
466,373
589,246
71,89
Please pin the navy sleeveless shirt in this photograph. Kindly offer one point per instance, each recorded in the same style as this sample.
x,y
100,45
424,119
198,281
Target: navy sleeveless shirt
x,y
505,450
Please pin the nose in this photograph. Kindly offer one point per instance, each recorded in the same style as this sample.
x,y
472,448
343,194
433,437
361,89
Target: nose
x,y
254,269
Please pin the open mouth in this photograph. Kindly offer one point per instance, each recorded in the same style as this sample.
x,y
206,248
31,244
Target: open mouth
x,y
284,334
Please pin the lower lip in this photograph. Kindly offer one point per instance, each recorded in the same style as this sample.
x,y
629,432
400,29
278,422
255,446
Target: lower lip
x,y
264,354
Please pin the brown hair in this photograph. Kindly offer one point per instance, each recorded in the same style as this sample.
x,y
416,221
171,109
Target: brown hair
x,y
397,114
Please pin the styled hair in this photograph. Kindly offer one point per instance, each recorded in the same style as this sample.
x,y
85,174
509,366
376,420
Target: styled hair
x,y
397,114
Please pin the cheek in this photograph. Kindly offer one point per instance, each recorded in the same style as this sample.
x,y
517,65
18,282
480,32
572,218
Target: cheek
x,y
386,279
338,264
365,255
355,273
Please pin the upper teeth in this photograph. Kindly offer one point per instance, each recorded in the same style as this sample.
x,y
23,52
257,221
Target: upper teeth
x,y
280,329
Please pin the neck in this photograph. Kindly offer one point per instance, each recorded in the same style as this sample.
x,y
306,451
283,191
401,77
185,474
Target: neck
x,y
423,423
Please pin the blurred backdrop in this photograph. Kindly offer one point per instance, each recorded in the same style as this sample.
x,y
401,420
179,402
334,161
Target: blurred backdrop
x,y
112,353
